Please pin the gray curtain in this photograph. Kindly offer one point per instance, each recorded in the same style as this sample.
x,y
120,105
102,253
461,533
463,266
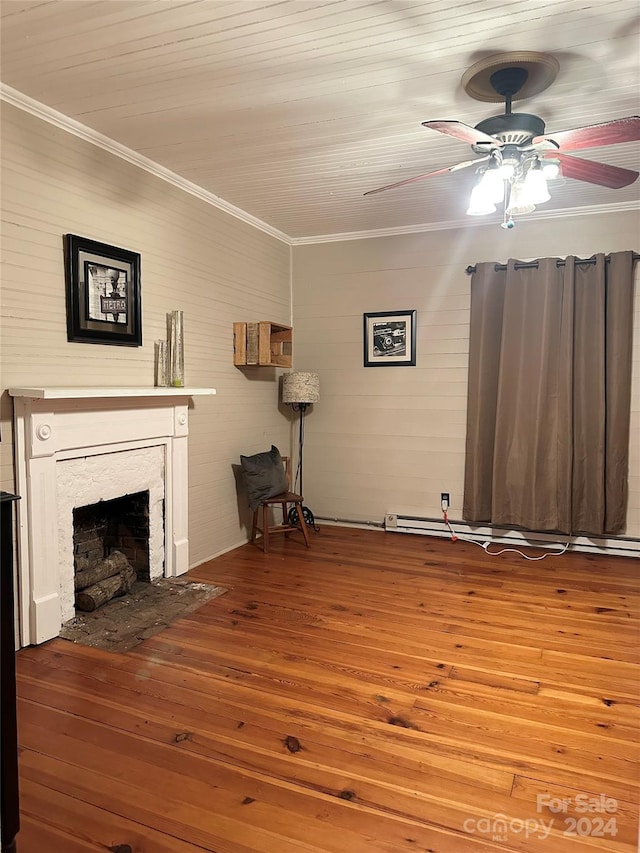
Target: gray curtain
x,y
549,394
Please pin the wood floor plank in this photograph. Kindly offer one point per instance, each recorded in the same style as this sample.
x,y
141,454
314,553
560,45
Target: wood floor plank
x,y
208,796
212,830
515,661
235,718
37,835
367,781
567,801
579,716
376,693
101,830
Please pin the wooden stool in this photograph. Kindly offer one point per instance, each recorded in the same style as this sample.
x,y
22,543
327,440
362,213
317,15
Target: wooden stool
x,y
285,499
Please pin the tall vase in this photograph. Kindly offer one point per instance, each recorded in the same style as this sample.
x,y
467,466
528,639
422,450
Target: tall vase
x,y
175,335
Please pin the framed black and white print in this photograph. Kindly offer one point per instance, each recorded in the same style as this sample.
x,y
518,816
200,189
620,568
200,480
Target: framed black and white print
x,y
390,339
103,293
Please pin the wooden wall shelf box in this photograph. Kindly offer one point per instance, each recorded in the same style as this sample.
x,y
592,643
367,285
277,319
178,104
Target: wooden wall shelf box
x,y
262,344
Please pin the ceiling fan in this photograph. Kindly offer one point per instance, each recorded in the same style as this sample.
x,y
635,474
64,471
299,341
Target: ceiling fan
x,y
517,156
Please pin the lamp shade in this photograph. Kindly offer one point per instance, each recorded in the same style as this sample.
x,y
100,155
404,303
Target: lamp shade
x,y
300,387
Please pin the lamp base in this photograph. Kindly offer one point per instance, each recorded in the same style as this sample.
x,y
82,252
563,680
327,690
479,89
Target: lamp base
x,y
307,517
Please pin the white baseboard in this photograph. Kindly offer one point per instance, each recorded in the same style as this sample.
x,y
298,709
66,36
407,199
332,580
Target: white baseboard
x,y
619,546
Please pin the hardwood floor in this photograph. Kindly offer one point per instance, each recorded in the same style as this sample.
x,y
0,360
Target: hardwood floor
x,y
379,693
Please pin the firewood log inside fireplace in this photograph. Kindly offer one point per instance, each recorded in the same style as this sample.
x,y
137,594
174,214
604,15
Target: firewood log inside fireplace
x,y
104,580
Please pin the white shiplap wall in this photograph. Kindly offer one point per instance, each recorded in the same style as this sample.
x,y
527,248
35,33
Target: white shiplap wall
x,y
391,439
194,257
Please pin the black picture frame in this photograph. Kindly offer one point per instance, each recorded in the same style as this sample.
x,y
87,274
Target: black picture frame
x,y
390,338
103,293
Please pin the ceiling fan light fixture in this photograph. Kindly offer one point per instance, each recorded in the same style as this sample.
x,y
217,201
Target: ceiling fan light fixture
x,y
520,156
480,202
508,168
535,188
519,203
492,184
551,169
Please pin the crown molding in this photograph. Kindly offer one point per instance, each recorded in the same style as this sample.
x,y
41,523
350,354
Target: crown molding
x,y
471,222
36,108
76,128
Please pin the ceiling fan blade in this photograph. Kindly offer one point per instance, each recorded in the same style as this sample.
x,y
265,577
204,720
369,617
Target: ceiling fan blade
x,y
608,133
463,132
603,174
455,168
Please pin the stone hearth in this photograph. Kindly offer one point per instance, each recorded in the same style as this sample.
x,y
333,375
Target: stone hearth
x,y
149,608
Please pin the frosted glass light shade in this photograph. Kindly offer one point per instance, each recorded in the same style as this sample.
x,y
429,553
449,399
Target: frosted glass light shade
x,y
508,168
535,186
492,185
551,169
480,203
300,387
518,201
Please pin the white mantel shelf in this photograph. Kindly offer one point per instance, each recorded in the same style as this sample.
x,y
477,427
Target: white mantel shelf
x,y
86,393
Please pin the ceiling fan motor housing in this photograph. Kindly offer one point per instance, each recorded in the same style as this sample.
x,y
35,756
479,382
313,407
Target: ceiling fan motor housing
x,y
514,129
507,82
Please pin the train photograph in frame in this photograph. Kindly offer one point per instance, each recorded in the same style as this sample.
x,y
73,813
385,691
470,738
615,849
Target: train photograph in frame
x,y
390,338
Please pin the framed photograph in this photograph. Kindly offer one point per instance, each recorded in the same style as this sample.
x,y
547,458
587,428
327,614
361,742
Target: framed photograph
x,y
103,293
390,339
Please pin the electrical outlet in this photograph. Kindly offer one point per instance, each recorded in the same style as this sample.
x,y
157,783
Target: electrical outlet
x,y
444,500
390,520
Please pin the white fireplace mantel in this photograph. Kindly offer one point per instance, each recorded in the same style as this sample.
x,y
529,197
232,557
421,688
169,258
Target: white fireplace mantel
x,y
53,425
87,393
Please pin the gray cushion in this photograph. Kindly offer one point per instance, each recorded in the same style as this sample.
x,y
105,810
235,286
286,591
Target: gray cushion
x,y
264,475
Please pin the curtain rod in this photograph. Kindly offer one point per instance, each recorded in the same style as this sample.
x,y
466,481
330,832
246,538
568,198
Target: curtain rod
x,y
532,265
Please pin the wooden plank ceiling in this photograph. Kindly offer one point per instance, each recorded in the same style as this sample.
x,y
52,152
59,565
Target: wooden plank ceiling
x,y
292,109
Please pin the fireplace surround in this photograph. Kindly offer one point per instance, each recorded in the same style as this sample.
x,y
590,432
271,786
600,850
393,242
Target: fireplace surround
x,y
81,445
101,478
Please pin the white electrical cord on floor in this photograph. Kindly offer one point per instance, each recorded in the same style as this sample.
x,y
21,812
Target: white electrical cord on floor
x,y
485,545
